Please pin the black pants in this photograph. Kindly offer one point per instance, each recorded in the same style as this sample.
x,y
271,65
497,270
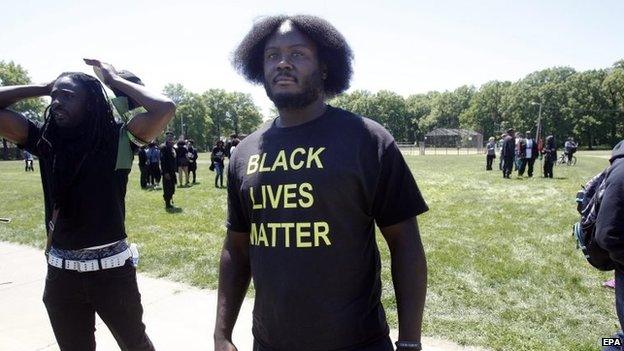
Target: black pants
x,y
144,176
548,168
154,173
530,163
508,164
489,159
73,298
169,187
193,170
384,344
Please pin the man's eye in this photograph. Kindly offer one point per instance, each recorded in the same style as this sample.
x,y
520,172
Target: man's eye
x,y
272,56
297,54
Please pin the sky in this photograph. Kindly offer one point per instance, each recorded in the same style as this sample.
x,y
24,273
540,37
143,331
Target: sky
x,y
408,47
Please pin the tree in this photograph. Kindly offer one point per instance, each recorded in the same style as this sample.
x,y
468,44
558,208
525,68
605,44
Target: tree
x,y
485,113
446,108
196,119
587,106
243,116
14,74
613,90
418,107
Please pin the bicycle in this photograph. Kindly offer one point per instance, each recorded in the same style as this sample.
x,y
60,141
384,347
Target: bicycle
x,y
570,161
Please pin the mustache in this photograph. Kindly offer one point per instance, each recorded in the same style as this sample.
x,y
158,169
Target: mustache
x,y
284,75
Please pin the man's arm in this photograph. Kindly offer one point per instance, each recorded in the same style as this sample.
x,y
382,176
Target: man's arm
x,y
14,126
234,278
160,109
409,276
610,220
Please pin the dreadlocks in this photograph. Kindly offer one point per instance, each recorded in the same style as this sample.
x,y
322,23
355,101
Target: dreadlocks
x,y
96,137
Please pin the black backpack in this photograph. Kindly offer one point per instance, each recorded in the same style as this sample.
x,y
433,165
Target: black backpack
x,y
588,204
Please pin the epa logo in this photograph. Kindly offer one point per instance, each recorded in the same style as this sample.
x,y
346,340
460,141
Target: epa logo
x,y
611,342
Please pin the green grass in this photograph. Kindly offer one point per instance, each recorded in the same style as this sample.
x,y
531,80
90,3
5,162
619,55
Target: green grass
x,y
504,272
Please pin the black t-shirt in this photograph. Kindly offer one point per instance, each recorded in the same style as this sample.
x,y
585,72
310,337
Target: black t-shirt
x,y
218,155
95,213
168,159
310,196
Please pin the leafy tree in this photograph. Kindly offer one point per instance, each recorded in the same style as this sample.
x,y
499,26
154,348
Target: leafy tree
x,y
14,74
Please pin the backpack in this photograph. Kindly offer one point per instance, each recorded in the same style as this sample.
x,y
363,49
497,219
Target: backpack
x,y
588,204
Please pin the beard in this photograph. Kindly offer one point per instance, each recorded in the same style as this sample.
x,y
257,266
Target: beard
x,y
312,87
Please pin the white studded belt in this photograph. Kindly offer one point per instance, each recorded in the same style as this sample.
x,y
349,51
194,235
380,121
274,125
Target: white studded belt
x,y
114,261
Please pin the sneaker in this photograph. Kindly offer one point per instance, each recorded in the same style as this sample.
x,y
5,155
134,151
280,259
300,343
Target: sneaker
x,y
609,284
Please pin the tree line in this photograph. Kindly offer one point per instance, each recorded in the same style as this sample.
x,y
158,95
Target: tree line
x,y
587,105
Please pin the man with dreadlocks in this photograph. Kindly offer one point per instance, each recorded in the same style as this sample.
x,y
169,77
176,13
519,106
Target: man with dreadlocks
x,y
304,194
85,158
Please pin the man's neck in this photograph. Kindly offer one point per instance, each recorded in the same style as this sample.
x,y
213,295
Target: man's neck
x,y
296,116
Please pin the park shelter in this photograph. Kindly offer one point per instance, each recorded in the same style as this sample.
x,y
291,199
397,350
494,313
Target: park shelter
x,y
454,138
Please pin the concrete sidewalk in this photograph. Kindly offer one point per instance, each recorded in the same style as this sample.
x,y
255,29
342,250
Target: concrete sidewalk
x,y
177,316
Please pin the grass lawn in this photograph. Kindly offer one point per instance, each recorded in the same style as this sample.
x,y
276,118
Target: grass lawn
x,y
504,272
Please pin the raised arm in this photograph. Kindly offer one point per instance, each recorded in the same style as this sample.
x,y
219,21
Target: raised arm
x,y
160,109
234,278
14,126
409,276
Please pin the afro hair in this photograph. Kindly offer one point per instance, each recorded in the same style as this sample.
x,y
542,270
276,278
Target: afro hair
x,y
333,50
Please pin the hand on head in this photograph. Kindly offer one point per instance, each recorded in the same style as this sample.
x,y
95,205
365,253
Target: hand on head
x,y
104,71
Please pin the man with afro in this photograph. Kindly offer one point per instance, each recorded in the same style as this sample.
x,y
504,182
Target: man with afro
x,y
304,194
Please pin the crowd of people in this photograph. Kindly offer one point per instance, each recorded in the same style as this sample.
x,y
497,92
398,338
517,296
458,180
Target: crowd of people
x,y
518,152
176,163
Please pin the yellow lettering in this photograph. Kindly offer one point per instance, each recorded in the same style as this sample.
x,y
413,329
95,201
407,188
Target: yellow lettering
x,y
253,234
274,198
252,164
287,227
280,161
305,190
262,236
273,227
289,194
255,206
321,229
262,167
302,231
293,165
313,156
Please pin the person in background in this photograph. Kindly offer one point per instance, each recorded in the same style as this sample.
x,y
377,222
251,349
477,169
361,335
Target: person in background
x,y
519,153
508,153
192,156
609,231
530,154
217,157
144,172
169,168
550,156
490,153
499,146
28,162
569,148
182,160
153,165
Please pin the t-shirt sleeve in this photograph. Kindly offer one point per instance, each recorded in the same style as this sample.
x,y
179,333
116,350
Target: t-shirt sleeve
x,y
35,129
236,219
397,196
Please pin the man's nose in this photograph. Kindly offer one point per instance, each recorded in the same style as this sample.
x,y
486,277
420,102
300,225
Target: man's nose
x,y
284,64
